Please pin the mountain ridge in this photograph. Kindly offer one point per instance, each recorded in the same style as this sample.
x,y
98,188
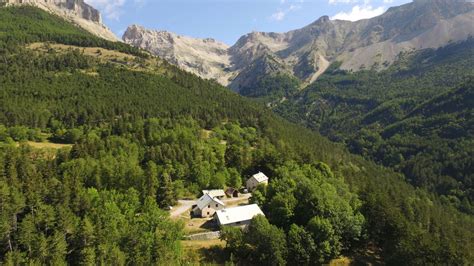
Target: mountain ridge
x,y
204,57
307,52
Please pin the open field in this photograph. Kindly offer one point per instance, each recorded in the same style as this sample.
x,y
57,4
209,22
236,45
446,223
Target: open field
x,y
48,145
104,56
209,252
197,225
197,244
90,51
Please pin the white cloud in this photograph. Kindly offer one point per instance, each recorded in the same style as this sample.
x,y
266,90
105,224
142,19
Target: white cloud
x,y
281,14
278,16
360,12
366,2
333,2
112,9
294,7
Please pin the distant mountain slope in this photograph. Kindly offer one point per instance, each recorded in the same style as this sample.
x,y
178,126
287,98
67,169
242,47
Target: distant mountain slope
x,y
76,11
307,52
204,57
416,116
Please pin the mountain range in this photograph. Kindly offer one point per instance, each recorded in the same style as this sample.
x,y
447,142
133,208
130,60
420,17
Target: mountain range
x,y
307,52
303,54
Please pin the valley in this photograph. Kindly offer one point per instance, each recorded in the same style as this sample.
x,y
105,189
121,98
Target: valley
x,y
415,117
359,83
105,147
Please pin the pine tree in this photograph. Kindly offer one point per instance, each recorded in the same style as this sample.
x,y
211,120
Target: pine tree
x,y
165,195
151,180
87,254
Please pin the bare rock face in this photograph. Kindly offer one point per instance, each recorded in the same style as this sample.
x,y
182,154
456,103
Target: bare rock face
x,y
76,11
307,52
207,58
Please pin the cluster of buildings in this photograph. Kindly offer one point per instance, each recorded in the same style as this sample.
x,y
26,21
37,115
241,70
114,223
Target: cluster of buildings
x,y
211,204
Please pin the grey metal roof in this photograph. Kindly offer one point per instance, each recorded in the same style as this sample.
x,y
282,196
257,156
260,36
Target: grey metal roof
x,y
206,200
238,214
214,192
260,177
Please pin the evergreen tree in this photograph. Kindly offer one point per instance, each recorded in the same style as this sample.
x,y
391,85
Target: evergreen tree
x,y
151,180
165,195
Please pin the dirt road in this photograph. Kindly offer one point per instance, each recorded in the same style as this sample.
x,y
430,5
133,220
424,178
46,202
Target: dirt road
x,y
182,207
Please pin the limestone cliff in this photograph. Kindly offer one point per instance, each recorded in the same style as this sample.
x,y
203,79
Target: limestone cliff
x,y
207,58
76,11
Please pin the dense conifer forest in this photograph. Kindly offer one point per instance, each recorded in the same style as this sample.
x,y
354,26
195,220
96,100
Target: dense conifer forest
x,y
137,138
415,117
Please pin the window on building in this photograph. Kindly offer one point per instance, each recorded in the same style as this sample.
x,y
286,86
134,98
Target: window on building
x,y
217,205
207,213
209,206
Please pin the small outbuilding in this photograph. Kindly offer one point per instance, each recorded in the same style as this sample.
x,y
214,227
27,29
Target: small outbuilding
x,y
215,193
232,192
206,206
237,216
257,179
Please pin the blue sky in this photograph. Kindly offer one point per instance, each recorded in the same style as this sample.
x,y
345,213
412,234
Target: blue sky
x,y
227,20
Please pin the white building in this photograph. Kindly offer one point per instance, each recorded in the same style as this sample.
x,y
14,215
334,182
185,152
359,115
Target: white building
x,y
237,216
215,193
257,179
206,206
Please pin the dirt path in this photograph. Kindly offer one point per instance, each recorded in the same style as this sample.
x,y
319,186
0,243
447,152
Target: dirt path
x,y
182,207
232,201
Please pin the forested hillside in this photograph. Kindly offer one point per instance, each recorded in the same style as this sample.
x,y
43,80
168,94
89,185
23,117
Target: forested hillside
x,y
144,134
28,25
416,117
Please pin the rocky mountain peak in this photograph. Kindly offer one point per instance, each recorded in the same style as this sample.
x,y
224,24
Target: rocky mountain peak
x,y
76,11
307,52
79,7
134,31
320,21
207,58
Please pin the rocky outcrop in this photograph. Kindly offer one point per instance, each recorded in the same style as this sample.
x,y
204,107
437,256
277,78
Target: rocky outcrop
x,y
207,58
307,52
76,11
